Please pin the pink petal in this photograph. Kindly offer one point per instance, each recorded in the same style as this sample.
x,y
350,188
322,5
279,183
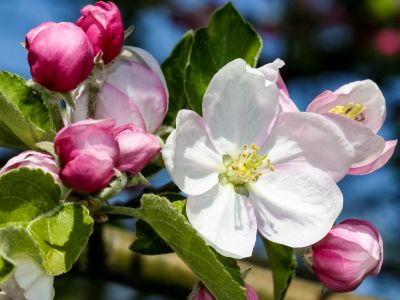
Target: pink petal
x,y
365,92
367,145
312,140
376,164
143,87
113,103
137,149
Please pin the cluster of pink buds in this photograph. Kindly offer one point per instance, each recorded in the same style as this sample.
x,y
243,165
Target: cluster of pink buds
x,y
131,103
60,55
91,150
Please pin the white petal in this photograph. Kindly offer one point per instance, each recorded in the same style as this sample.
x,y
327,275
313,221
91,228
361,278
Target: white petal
x,y
189,156
271,70
309,139
239,107
295,205
367,145
38,285
225,220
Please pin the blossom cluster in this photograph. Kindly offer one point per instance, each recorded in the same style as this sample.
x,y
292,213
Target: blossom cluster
x,y
252,162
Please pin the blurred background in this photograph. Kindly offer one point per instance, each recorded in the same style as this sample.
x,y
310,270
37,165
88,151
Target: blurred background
x,y
325,44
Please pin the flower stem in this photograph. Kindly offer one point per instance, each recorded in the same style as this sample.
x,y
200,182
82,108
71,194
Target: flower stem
x,y
95,83
119,210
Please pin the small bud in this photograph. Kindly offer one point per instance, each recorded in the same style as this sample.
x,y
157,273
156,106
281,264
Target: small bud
x,y
136,147
87,152
351,251
33,160
60,55
103,25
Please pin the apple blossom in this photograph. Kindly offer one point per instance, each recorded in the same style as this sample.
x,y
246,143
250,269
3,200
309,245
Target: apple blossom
x,y
33,160
28,282
350,251
87,152
136,148
244,168
103,25
134,91
359,109
60,55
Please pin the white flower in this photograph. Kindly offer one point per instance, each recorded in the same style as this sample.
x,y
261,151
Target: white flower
x,y
244,168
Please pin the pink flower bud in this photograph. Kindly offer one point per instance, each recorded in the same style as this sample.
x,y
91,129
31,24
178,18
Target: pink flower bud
x,y
201,293
102,23
87,153
60,55
352,250
32,160
136,148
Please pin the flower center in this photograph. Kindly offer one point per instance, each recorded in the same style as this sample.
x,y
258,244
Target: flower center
x,y
351,111
247,168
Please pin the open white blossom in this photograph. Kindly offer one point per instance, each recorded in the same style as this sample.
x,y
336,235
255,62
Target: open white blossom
x,y
245,167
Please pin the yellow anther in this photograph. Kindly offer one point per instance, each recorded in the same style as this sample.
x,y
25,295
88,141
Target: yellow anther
x,y
351,111
248,167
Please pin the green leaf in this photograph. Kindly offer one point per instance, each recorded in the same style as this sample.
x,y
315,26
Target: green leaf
x,y
148,242
174,69
173,228
283,264
9,139
226,38
25,194
23,112
15,243
62,236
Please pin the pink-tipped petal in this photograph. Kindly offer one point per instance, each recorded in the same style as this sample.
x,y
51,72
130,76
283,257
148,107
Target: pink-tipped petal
x,y
367,145
144,57
137,148
144,89
121,109
365,92
378,163
33,160
309,139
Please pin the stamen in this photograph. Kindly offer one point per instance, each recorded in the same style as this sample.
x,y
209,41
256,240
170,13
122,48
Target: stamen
x,y
351,111
247,168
